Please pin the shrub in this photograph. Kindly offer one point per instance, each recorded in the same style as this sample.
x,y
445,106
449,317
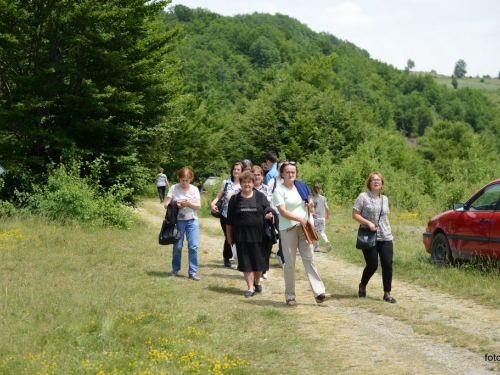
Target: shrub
x,y
67,197
6,209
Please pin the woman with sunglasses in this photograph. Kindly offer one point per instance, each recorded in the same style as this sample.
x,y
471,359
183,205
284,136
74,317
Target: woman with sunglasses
x,y
371,209
228,187
293,200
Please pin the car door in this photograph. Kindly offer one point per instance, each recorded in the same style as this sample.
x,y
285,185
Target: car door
x,y
494,243
472,228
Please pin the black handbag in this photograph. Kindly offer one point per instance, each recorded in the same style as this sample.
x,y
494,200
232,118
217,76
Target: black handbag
x,y
366,239
220,204
169,232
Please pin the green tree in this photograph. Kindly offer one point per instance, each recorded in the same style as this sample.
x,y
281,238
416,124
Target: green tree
x,y
454,81
460,69
409,66
264,53
93,75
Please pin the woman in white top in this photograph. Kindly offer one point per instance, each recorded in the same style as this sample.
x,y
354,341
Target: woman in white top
x,y
161,184
188,201
293,213
228,187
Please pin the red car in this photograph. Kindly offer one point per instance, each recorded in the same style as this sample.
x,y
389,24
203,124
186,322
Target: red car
x,y
471,229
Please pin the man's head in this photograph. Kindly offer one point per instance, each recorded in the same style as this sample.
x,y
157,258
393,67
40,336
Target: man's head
x,y
271,158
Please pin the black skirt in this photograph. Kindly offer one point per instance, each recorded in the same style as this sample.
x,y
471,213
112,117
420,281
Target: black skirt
x,y
252,256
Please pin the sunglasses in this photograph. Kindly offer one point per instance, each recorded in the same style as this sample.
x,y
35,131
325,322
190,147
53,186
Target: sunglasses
x,y
289,163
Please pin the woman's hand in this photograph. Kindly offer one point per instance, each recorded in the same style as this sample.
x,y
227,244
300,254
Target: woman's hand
x,y
310,205
182,203
269,216
372,227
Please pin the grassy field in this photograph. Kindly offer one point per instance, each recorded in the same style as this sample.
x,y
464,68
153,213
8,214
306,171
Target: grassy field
x,y
490,86
99,302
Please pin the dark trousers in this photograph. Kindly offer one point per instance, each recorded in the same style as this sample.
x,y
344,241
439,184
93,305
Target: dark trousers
x,y
384,249
227,253
161,192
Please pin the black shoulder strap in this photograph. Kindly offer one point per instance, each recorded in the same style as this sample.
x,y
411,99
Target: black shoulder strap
x,y
275,183
381,208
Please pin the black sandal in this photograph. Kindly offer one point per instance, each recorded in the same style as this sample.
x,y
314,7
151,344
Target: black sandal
x,y
249,293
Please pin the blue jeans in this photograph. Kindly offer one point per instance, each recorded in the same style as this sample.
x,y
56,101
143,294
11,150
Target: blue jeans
x,y
192,230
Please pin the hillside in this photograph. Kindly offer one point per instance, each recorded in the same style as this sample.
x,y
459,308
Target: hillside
x,y
261,82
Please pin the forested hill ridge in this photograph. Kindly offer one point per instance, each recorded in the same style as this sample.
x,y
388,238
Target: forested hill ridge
x,y
96,96
263,82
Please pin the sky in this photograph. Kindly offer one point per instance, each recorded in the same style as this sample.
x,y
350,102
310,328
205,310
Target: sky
x,y
434,34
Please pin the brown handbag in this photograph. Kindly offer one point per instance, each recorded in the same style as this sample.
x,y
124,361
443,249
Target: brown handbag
x,y
310,232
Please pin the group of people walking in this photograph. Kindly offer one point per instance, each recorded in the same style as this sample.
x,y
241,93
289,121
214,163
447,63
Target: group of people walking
x,y
262,209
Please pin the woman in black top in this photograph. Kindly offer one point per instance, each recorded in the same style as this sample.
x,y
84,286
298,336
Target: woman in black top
x,y
245,228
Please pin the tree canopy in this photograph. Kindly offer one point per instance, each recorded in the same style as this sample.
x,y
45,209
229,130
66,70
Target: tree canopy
x,y
89,76
139,87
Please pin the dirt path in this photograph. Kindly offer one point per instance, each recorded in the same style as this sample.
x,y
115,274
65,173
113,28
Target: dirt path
x,y
426,332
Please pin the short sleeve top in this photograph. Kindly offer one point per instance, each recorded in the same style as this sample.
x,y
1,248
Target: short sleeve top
x,y
266,190
369,209
161,179
319,206
230,187
246,215
175,193
293,203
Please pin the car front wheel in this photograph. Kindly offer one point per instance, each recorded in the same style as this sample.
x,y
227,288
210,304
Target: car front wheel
x,y
440,250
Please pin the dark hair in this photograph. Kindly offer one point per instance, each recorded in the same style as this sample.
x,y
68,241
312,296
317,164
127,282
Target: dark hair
x,y
370,177
232,169
186,173
247,175
317,188
285,163
271,156
264,167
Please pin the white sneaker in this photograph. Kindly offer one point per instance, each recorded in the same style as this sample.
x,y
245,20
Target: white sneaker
x,y
264,275
328,246
317,250
278,258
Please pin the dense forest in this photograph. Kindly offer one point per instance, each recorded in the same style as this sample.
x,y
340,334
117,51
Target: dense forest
x,y
114,90
263,82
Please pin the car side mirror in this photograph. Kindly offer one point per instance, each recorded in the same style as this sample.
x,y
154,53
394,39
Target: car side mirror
x,y
458,207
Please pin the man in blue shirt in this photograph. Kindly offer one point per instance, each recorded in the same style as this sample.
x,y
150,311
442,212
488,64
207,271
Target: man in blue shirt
x,y
271,159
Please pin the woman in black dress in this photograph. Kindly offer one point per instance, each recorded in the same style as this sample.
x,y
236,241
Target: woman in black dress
x,y
245,228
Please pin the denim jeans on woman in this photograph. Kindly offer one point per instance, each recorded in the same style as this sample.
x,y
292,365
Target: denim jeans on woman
x,y
191,229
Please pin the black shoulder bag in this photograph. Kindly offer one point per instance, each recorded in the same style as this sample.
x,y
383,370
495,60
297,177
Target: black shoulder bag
x,y
367,239
220,204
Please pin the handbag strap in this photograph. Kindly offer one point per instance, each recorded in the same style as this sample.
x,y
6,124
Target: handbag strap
x,y
381,208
